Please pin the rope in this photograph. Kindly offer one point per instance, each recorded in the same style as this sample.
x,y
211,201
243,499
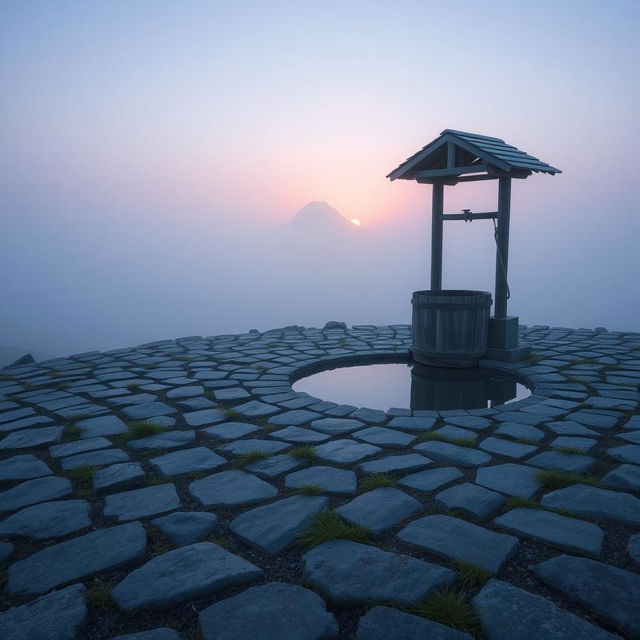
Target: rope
x,y
500,260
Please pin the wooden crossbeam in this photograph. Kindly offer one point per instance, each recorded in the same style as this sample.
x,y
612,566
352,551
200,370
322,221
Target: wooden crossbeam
x,y
489,215
451,171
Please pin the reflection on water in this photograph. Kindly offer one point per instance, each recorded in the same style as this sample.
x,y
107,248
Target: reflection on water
x,y
381,386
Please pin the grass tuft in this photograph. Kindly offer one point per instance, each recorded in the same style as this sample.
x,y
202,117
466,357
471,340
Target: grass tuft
x,y
304,452
464,442
527,441
310,490
133,386
98,596
158,542
228,412
193,633
426,436
452,608
470,575
569,450
184,358
377,480
221,542
328,525
249,458
143,429
71,432
553,479
81,475
518,502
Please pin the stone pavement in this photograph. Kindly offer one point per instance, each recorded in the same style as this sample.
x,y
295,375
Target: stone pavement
x,y
161,492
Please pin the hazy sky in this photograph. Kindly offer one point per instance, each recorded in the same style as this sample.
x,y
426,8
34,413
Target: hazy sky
x,y
150,150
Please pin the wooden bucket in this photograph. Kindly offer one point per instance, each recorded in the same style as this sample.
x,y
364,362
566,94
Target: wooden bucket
x,y
450,327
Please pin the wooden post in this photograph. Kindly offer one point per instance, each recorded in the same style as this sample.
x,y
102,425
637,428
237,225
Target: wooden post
x,y
502,249
437,207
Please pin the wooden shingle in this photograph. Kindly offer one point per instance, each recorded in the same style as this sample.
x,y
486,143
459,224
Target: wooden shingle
x,y
459,156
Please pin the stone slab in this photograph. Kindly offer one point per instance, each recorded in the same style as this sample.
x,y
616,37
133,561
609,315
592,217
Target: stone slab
x,y
23,467
301,615
379,510
382,623
79,446
299,434
430,479
60,615
412,423
204,417
274,527
507,448
33,492
294,418
383,437
337,426
102,426
345,451
231,488
184,528
592,419
625,453
476,501
515,430
555,530
333,481
256,409
600,504
511,479
353,574
610,593
166,440
469,422
118,476
193,460
93,459
141,503
148,410
182,575
251,445
275,466
509,613
396,464
633,548
161,633
572,462
47,520
574,442
78,559
230,430
625,477
454,454
457,539
31,438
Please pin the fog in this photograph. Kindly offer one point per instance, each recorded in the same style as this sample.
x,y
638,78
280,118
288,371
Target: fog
x,y
153,158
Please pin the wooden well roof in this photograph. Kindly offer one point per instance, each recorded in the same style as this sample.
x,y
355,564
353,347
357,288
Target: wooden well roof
x,y
458,156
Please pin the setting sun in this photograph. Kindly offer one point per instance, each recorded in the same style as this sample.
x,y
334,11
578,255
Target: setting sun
x,y
355,221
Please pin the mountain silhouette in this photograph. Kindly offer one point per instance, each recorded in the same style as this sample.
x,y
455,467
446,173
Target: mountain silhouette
x,y
321,218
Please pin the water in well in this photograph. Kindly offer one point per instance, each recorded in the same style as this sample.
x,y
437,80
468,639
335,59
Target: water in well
x,y
414,386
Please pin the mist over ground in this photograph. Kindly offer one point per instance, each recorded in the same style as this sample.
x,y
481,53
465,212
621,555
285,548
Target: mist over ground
x,y
152,158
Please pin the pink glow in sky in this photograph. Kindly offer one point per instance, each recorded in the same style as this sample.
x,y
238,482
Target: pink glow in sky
x,y
170,122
